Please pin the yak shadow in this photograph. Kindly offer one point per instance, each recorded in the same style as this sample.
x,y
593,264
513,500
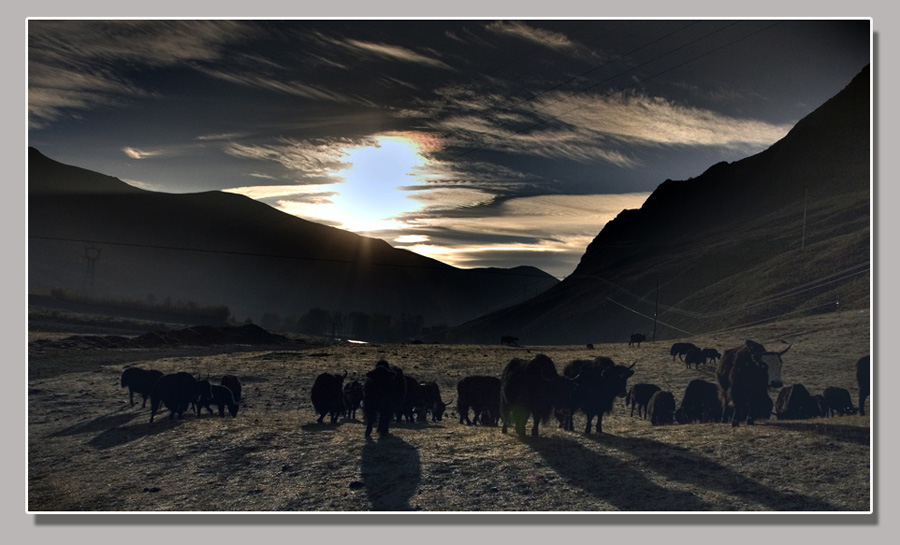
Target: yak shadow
x,y
324,426
680,465
610,479
121,435
101,423
839,432
391,472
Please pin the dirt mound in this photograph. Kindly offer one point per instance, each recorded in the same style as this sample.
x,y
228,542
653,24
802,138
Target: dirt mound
x,y
248,334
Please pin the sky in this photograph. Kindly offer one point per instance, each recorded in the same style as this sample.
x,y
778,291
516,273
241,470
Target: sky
x,y
478,142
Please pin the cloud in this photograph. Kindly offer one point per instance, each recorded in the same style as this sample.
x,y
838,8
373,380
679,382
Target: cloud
x,y
313,159
135,153
294,88
260,192
535,227
81,64
388,52
518,29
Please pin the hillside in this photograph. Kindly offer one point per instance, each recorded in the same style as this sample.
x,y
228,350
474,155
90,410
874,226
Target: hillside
x,y
217,248
727,248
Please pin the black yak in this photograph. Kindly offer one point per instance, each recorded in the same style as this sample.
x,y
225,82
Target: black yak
x,y
140,381
694,356
353,395
481,394
662,408
532,388
744,378
680,349
431,397
327,395
710,355
596,388
838,401
177,391
234,384
383,393
796,403
863,373
637,339
221,396
638,396
700,403
413,406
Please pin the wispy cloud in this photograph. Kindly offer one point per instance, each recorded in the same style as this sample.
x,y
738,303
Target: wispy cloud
x,y
77,65
388,52
519,29
312,159
135,153
288,86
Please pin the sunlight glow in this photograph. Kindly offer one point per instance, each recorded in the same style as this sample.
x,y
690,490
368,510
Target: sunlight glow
x,y
371,195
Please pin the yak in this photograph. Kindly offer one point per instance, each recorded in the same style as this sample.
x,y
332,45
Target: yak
x,y
795,403
694,356
481,393
700,403
596,388
744,377
413,406
177,391
140,381
838,401
532,388
353,394
234,384
680,349
572,370
328,396
221,396
863,374
637,339
639,397
710,355
431,398
661,408
383,393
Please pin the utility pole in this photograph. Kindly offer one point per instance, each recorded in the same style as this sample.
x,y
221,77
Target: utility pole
x,y
92,254
803,235
656,310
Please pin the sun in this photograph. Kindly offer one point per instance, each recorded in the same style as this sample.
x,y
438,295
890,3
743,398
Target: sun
x,y
371,194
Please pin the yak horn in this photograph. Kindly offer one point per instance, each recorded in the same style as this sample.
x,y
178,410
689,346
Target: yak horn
x,y
786,349
345,374
633,364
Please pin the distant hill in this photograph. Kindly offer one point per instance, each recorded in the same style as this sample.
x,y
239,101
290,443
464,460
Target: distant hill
x,y
94,234
726,248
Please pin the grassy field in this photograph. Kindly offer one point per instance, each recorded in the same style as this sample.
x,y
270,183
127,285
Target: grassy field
x,y
89,450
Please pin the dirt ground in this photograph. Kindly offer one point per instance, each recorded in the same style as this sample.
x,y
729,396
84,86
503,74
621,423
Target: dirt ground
x,y
89,450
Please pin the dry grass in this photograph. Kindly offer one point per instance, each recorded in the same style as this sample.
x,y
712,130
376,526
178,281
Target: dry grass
x,y
90,451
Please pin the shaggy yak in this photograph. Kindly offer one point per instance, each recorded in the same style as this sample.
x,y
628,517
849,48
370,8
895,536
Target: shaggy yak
x,y
680,349
353,394
662,408
328,396
700,403
413,406
480,393
838,401
234,384
596,389
639,397
177,391
431,397
221,396
572,370
795,403
383,393
139,381
532,388
744,376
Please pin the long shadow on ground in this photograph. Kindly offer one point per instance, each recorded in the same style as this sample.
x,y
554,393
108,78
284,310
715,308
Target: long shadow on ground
x,y
839,432
101,423
683,466
612,480
391,472
120,435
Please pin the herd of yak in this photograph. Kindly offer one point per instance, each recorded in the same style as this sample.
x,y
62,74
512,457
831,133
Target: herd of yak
x,y
535,389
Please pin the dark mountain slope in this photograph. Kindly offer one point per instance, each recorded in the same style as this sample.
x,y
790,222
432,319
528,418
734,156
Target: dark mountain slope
x,y
725,247
218,248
